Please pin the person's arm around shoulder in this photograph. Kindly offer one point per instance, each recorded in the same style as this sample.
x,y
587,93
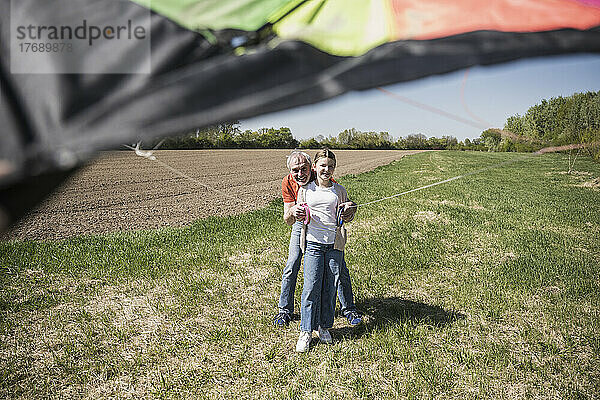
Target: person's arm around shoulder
x,y
291,211
349,207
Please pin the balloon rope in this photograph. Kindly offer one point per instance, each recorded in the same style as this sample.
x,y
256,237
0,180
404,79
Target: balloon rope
x,y
445,181
476,121
196,181
431,109
551,149
151,157
529,155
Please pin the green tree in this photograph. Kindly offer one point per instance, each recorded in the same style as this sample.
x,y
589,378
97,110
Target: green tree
x,y
346,137
246,139
491,139
415,141
310,144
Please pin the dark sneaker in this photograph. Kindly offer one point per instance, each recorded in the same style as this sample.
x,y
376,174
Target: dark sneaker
x,y
324,336
282,319
354,318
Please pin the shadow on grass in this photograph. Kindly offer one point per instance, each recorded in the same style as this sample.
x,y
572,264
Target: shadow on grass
x,y
381,312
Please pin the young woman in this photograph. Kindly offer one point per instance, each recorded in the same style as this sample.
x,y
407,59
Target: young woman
x,y
322,240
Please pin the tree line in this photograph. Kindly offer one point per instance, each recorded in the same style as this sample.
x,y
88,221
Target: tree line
x,y
554,122
229,135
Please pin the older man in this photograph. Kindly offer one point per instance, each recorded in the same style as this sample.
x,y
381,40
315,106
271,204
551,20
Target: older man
x,y
299,165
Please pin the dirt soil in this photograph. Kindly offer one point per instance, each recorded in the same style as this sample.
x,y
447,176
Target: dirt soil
x,y
121,191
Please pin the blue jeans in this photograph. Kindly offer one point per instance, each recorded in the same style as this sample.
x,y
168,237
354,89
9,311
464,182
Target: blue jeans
x,y
321,266
290,272
344,288
290,277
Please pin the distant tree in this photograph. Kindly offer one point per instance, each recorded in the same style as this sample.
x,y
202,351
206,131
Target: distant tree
x,y
416,141
491,139
467,144
506,145
450,142
434,143
331,142
515,124
346,137
271,138
400,144
229,128
246,139
225,140
310,144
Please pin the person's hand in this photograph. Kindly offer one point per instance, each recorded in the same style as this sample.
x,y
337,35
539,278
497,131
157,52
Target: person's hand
x,y
299,212
348,210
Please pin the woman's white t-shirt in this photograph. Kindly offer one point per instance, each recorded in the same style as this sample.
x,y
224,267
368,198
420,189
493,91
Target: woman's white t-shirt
x,y
322,202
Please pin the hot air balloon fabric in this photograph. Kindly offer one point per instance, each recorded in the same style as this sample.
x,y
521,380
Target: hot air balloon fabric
x,y
203,62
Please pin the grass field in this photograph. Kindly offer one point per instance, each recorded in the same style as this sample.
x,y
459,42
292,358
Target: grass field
x,y
484,287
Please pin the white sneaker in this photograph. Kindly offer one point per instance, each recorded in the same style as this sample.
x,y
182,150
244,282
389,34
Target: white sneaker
x,y
324,335
303,342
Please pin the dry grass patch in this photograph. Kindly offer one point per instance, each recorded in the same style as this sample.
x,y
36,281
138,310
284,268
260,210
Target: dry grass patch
x,y
429,217
584,179
595,183
364,227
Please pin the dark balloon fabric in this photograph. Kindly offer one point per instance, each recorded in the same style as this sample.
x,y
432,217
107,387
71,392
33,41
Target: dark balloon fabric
x,y
54,122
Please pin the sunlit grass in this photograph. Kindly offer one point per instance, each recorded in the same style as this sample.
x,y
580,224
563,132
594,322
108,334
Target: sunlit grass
x,y
485,287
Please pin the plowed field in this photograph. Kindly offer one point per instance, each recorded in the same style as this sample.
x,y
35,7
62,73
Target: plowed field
x,y
122,191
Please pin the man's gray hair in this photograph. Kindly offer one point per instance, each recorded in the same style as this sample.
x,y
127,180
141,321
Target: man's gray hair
x,y
296,154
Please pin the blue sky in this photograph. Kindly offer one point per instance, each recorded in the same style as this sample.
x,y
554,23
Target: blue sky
x,y
491,93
